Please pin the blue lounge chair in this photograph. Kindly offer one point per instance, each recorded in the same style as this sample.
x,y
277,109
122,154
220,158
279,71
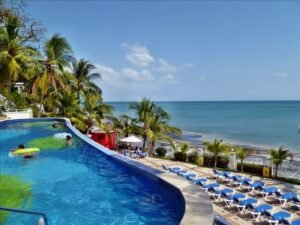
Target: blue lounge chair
x,y
211,186
296,200
182,172
225,193
245,203
265,192
216,173
258,210
172,169
278,217
256,186
190,176
245,182
234,199
200,181
284,197
289,222
236,179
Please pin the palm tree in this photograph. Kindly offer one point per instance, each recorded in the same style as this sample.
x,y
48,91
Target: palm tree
x,y
160,130
278,156
95,111
124,125
57,56
216,148
83,78
68,106
144,110
242,154
15,56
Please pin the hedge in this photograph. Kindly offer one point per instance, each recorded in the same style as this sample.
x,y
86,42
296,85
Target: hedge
x,y
222,161
251,168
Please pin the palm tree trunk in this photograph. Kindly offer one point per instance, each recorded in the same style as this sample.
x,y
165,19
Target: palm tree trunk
x,y
152,147
144,137
216,160
144,141
242,166
8,86
276,170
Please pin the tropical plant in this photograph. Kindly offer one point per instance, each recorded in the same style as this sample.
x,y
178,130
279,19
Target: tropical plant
x,y
144,110
242,154
278,156
161,151
182,155
56,56
125,125
82,71
216,148
15,56
95,111
159,129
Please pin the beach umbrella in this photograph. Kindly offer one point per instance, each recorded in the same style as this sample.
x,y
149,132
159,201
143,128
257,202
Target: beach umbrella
x,y
131,139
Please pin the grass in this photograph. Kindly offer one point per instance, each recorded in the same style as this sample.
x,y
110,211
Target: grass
x,y
13,194
47,143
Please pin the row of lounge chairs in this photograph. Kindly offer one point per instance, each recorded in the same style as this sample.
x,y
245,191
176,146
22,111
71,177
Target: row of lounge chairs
x,y
245,204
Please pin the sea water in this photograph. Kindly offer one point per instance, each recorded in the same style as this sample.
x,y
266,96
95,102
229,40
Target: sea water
x,y
263,124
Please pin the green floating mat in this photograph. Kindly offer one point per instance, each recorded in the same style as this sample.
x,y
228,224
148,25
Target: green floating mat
x,y
47,143
14,193
36,124
44,124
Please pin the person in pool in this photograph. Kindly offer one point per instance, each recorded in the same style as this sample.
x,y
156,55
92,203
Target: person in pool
x,y
68,140
20,146
27,155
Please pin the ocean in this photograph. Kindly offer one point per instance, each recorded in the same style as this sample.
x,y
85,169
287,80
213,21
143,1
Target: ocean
x,y
262,124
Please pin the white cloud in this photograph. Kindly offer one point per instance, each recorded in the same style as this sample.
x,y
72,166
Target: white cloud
x,y
166,67
188,65
107,73
138,55
280,74
137,76
168,77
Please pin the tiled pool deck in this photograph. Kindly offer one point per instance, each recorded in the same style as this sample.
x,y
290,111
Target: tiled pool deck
x,y
230,214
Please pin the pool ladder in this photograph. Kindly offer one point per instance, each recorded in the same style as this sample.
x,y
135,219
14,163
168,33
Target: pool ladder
x,y
42,220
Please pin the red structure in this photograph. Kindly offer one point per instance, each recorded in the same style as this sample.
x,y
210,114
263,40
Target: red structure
x,y
101,137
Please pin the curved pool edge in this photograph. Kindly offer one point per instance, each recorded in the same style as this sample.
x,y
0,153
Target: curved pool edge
x,y
195,204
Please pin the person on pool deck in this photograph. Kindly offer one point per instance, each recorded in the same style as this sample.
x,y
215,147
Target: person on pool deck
x,y
68,140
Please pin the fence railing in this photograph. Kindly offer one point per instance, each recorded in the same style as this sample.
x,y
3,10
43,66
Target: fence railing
x,y
42,220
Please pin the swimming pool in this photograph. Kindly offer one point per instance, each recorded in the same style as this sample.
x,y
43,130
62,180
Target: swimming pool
x,y
81,185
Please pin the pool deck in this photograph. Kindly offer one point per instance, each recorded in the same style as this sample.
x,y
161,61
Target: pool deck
x,y
231,215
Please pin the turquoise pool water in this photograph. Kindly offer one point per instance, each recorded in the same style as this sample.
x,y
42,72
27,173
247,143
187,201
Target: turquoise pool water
x,y
80,185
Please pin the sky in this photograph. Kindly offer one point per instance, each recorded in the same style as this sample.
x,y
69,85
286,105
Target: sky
x,y
183,50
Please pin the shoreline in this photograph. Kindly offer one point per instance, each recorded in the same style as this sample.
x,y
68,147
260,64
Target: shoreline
x,y
196,140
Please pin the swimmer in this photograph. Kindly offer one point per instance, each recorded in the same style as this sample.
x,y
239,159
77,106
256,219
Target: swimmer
x,y
54,124
68,140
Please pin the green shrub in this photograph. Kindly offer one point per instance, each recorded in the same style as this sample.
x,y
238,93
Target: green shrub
x,y
161,151
193,157
251,168
35,110
20,100
180,156
222,161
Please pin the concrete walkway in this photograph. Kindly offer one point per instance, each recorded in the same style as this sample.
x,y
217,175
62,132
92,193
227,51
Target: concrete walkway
x,y
230,214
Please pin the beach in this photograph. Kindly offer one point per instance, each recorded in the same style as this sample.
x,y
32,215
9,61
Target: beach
x,y
254,125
